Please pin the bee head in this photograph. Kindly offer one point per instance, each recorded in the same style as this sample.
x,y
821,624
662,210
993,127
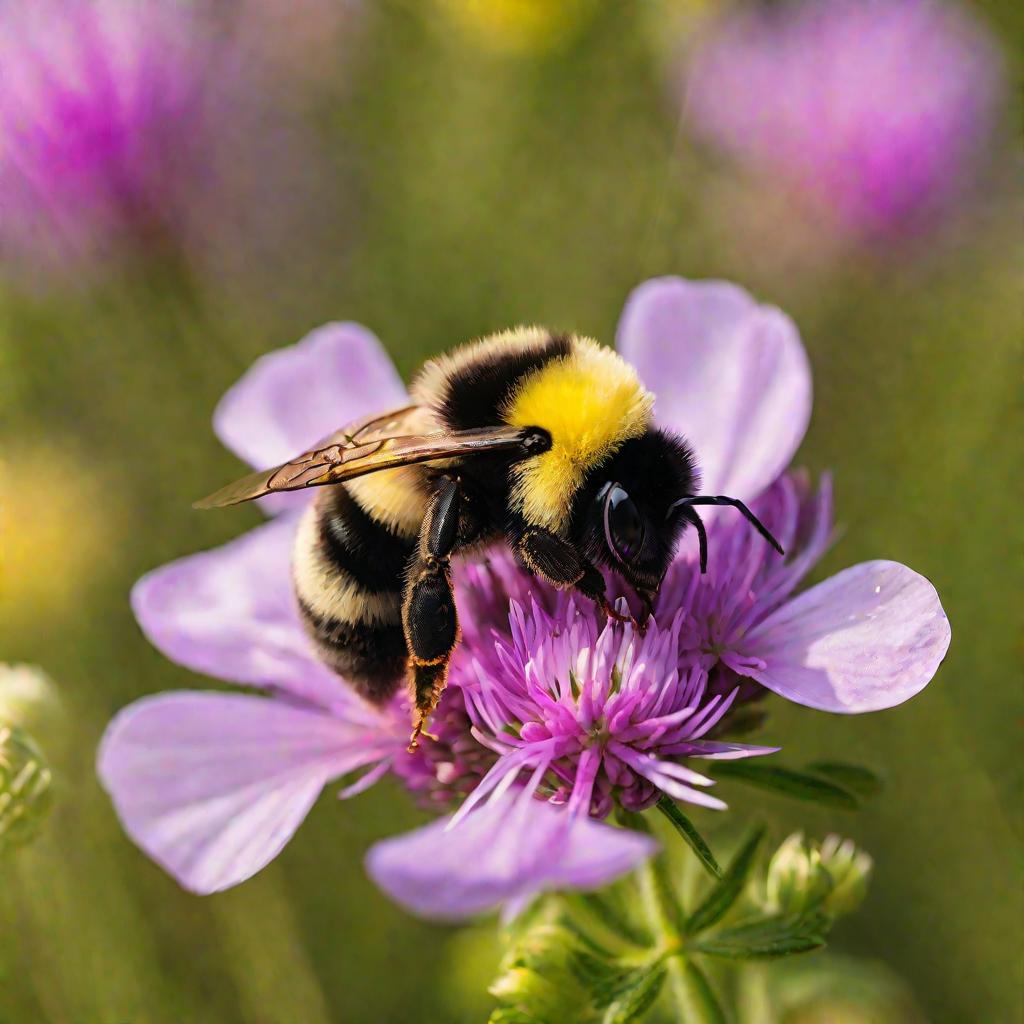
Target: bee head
x,y
624,517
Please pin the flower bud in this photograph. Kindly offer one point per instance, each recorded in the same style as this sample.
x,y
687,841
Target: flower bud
x,y
803,875
522,986
29,700
536,973
796,878
850,870
24,787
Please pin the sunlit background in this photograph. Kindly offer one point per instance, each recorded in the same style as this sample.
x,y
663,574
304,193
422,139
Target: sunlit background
x,y
186,186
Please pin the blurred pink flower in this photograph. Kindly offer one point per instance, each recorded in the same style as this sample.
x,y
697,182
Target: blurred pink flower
x,y
129,126
879,110
101,120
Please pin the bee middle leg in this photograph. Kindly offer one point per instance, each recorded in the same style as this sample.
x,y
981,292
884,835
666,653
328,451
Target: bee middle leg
x,y
428,608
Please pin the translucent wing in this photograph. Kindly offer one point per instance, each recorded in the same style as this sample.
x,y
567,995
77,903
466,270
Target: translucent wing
x,y
399,438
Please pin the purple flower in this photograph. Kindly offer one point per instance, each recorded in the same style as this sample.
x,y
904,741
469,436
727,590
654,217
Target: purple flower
x,y
597,713
552,715
878,109
212,785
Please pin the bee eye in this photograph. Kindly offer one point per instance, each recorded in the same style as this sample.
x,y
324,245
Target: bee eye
x,y
623,524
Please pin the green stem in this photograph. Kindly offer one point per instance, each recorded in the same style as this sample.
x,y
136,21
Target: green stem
x,y
694,1000
661,916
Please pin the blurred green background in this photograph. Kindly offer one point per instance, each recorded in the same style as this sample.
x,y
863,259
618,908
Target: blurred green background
x,y
482,186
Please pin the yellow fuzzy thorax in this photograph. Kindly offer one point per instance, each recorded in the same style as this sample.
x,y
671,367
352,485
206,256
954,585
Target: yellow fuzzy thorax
x,y
590,402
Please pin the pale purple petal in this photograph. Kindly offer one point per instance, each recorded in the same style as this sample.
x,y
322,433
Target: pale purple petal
x,y
712,750
729,374
868,638
291,398
213,785
230,613
501,853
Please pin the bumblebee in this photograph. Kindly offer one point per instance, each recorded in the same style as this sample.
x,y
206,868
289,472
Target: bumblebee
x,y
544,441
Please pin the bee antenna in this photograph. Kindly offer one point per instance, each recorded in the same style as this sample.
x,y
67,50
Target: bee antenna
x,y
722,499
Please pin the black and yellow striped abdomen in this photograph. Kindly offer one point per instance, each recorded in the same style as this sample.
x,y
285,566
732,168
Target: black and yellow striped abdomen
x,y
349,566
375,595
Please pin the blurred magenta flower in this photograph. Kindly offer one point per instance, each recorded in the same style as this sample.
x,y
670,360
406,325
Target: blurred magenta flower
x,y
879,110
152,126
101,120
546,699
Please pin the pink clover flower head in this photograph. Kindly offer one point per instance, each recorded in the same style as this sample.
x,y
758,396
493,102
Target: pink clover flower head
x,y
878,109
552,715
596,713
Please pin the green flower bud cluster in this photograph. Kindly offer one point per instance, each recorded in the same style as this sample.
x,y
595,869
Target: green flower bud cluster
x,y
831,876
28,701
609,957
25,787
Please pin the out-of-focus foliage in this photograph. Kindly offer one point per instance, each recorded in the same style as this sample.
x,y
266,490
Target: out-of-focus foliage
x,y
461,188
29,708
641,950
25,787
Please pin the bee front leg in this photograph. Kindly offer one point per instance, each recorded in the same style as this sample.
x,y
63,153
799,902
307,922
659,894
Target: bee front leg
x,y
428,608
560,563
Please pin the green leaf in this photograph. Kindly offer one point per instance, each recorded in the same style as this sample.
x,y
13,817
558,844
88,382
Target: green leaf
x,y
601,978
636,997
570,924
787,781
604,908
702,994
686,829
768,938
855,778
717,902
613,987
510,1015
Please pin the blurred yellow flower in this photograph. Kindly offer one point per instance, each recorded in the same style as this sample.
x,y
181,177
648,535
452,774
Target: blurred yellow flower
x,y
53,527
521,26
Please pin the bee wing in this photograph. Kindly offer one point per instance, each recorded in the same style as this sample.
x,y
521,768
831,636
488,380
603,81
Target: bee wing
x,y
366,447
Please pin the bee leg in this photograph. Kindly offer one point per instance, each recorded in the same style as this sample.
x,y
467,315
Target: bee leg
x,y
647,600
428,609
560,563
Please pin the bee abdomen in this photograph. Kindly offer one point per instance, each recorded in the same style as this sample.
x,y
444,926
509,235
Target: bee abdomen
x,y
349,574
361,548
371,656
